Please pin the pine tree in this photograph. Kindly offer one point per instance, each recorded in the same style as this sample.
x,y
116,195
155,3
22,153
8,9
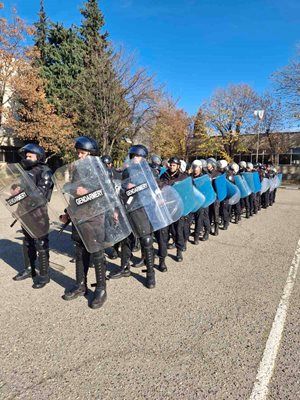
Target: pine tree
x,y
41,34
99,99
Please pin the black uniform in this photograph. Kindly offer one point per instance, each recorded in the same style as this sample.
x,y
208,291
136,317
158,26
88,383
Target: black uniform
x,y
179,228
92,229
201,218
41,175
214,208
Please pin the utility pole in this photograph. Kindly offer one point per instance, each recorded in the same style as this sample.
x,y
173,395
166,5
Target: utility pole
x,y
259,114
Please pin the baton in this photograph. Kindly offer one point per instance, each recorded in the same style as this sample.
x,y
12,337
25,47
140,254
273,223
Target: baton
x,y
15,221
64,227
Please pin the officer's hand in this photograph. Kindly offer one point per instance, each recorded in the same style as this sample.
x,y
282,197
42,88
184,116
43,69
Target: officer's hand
x,y
116,217
14,190
130,185
81,191
64,218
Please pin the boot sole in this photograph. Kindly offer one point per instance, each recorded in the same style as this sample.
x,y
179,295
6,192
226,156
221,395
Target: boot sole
x,y
73,297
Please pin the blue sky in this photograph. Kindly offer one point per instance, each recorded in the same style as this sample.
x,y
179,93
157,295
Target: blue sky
x,y
194,46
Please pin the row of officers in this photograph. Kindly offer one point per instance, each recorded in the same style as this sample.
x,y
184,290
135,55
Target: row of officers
x,y
114,212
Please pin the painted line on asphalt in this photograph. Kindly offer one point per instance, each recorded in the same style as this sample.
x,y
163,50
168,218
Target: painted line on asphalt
x,y
267,365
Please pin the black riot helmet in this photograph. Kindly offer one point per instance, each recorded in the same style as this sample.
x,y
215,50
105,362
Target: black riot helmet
x,y
138,150
87,144
35,149
174,160
106,159
155,159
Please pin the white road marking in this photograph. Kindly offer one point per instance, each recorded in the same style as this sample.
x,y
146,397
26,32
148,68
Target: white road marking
x,y
266,368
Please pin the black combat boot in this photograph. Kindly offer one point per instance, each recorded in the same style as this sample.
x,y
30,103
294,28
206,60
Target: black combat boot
x,y
226,225
205,236
171,246
196,240
29,263
179,255
148,252
139,264
80,289
44,277
162,265
124,273
216,231
247,214
100,295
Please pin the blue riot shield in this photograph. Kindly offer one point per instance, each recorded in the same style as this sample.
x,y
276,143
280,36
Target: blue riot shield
x,y
233,193
279,179
203,184
242,185
221,187
257,183
162,171
185,189
248,176
200,199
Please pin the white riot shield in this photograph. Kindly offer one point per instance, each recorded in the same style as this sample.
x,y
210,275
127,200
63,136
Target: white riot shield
x,y
92,203
265,185
24,200
148,208
273,183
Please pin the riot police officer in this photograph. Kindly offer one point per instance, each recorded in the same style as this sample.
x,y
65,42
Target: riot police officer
x,y
222,167
245,202
236,208
214,208
201,216
33,162
86,146
172,175
139,221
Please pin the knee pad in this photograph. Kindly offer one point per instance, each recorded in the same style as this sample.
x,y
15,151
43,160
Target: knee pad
x,y
146,241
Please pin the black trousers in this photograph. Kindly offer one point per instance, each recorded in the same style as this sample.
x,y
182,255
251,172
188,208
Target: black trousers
x,y
214,212
31,247
201,221
162,237
224,211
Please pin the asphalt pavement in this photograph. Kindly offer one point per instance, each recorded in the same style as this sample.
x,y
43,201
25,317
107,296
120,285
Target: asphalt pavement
x,y
200,334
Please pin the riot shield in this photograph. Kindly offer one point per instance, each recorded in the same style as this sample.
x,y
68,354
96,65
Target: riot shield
x,y
257,183
265,185
248,176
242,185
24,200
144,202
203,184
279,179
233,193
173,202
185,189
221,187
92,203
200,199
162,171
273,183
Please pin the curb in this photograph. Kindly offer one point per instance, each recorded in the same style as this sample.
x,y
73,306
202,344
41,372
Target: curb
x,y
290,187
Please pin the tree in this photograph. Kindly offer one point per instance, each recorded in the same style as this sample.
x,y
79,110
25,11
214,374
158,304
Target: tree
x,y
97,93
27,113
229,113
272,125
12,53
171,130
287,82
60,61
202,144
